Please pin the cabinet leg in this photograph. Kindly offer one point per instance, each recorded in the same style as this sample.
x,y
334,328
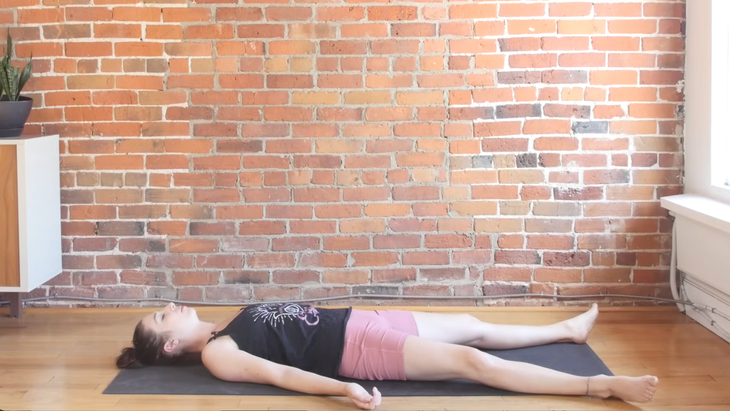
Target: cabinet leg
x,y
16,305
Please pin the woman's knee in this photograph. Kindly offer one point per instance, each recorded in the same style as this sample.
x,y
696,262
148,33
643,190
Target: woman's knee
x,y
479,362
468,319
477,328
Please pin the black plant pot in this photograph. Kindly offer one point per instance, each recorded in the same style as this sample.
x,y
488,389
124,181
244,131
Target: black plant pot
x,y
13,115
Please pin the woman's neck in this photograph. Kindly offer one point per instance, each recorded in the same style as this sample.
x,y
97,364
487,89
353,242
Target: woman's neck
x,y
200,337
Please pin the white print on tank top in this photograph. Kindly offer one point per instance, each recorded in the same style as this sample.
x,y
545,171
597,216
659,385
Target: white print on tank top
x,y
278,313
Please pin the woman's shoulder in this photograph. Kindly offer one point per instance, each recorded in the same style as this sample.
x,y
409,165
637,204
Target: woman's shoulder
x,y
222,343
218,354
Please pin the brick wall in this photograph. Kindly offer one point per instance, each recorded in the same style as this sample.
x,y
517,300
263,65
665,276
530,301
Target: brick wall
x,y
224,150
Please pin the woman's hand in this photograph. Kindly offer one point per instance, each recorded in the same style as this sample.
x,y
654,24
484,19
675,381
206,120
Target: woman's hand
x,y
362,398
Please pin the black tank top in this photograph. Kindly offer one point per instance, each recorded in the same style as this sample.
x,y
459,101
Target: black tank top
x,y
300,336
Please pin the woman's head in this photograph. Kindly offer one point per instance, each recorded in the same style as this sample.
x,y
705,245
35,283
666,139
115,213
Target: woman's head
x,y
162,338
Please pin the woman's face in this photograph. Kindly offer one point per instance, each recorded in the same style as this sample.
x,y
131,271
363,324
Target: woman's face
x,y
176,321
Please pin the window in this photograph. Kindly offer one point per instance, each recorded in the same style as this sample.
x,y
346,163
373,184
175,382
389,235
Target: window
x,y
707,100
720,143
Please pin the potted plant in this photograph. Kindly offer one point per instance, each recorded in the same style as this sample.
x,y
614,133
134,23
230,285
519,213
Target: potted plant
x,y
14,108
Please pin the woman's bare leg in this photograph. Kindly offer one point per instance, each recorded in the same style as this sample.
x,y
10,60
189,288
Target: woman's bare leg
x,y
466,330
428,360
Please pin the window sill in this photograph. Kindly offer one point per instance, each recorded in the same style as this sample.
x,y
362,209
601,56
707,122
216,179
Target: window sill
x,y
705,210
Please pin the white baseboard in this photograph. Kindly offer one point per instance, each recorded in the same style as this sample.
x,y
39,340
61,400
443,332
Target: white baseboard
x,y
702,294
702,229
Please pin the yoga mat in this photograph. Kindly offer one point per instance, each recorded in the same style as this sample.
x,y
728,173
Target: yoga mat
x,y
578,359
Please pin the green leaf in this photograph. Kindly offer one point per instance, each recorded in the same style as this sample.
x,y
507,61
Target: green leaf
x,y
9,51
4,80
25,76
13,81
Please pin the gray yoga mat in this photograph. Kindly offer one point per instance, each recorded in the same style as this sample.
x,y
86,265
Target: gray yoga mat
x,y
578,359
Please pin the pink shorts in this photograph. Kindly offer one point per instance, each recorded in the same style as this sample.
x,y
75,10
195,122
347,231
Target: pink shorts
x,y
374,344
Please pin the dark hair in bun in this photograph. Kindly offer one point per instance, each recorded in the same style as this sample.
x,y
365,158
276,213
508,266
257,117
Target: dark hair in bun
x,y
148,348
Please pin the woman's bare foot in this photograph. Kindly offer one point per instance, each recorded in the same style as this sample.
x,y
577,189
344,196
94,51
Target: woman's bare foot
x,y
579,327
634,389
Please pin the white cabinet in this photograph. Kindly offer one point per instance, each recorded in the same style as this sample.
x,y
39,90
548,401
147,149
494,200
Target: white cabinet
x,y
30,214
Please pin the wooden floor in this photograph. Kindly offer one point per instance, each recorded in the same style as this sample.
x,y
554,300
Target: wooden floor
x,y
62,359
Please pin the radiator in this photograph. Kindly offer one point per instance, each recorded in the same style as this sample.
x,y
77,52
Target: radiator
x,y
701,236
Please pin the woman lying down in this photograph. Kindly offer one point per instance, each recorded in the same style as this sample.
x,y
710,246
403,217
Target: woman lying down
x,y
304,348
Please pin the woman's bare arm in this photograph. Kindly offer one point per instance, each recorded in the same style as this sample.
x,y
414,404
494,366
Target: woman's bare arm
x,y
226,362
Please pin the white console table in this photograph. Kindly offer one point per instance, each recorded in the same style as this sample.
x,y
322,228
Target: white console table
x,y
30,215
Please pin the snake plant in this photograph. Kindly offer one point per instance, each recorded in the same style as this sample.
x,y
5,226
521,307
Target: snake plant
x,y
12,80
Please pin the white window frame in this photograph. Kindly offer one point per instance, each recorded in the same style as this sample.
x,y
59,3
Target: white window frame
x,y
707,100
721,142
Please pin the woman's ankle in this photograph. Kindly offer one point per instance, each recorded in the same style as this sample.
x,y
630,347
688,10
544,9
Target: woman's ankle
x,y
599,386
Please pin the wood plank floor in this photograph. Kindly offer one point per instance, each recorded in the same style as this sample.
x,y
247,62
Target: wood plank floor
x,y
63,359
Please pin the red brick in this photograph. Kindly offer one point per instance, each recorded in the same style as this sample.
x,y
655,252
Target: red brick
x,y
394,47
239,14
239,48
295,276
392,13
340,13
664,10
471,11
573,9
323,260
